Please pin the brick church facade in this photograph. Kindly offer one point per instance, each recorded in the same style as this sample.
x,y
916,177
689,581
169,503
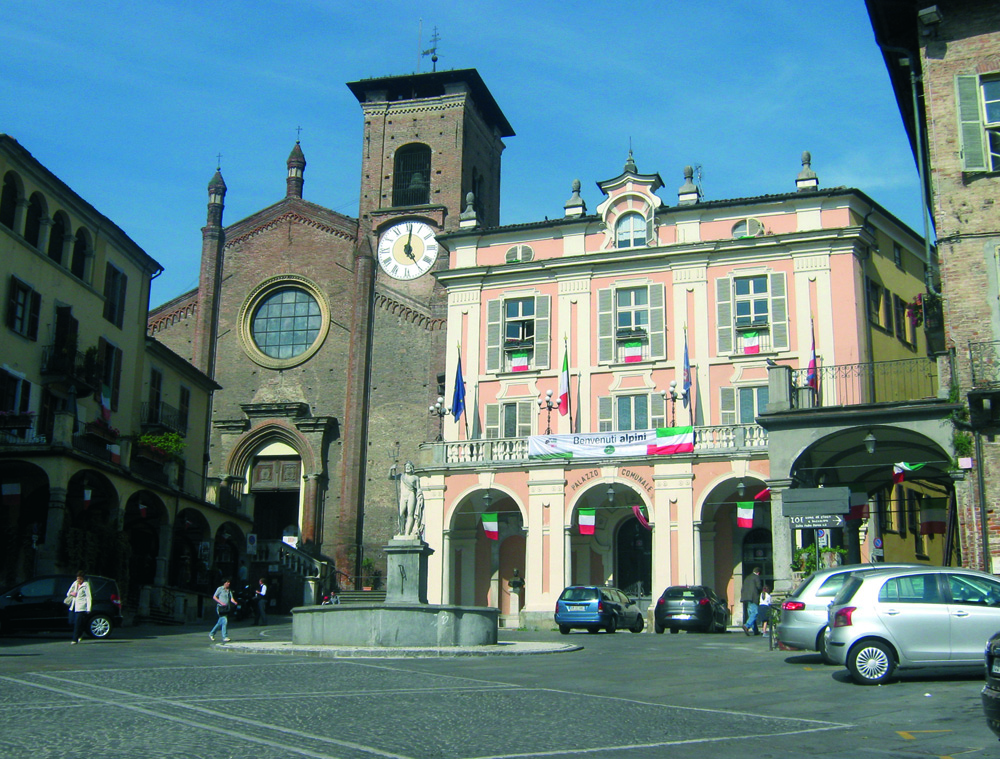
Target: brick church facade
x,y
326,332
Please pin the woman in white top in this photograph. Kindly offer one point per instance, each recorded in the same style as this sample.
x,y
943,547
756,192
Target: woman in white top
x,y
81,601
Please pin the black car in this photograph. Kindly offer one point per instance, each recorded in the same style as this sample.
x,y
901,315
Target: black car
x,y
991,692
690,607
38,605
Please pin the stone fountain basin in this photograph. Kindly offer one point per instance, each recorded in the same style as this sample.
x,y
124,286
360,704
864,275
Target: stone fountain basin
x,y
395,625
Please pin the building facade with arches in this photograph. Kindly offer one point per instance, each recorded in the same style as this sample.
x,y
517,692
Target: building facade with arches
x,y
681,317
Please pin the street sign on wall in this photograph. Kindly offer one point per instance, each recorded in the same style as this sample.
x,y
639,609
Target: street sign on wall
x,y
816,522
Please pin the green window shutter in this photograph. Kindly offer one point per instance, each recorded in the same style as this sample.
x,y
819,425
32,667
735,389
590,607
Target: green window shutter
x,y
657,410
542,309
724,315
605,326
605,413
651,228
492,420
525,411
494,324
779,312
117,378
34,310
970,124
657,323
727,405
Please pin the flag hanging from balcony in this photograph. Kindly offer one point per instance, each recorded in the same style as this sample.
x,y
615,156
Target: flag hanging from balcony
x,y
763,494
859,506
105,402
932,516
633,351
519,361
641,517
86,498
116,453
812,379
491,526
751,342
664,441
744,514
564,383
900,470
11,493
586,521
458,399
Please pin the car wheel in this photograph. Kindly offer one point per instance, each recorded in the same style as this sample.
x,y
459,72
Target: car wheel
x,y
593,630
612,624
821,646
99,627
564,629
639,624
658,628
674,631
870,662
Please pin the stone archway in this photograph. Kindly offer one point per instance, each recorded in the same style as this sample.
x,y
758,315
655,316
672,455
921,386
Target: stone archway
x,y
24,512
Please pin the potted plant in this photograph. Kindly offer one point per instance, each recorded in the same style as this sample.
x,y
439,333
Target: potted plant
x,y
101,429
160,447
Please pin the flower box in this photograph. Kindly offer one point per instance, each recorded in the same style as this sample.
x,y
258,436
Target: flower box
x,y
151,453
101,431
11,421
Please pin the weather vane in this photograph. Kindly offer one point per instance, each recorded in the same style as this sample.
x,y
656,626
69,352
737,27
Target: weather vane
x,y
431,51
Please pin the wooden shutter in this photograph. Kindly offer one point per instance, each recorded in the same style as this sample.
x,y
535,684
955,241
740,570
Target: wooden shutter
x,y
605,413
525,413
727,405
657,323
12,290
542,310
494,324
116,379
110,291
492,420
657,410
970,124
122,289
779,312
34,309
724,315
605,326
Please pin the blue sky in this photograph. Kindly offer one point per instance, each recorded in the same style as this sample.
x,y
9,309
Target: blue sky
x,y
129,103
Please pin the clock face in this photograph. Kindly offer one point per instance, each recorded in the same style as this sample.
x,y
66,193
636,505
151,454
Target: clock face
x,y
407,249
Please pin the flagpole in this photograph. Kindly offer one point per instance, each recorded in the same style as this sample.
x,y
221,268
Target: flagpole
x,y
569,392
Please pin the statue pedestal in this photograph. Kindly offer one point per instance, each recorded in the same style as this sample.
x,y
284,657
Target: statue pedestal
x,y
406,570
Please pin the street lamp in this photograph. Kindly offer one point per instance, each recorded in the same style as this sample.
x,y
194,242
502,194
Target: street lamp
x,y
547,404
673,395
741,489
441,412
487,500
870,442
611,495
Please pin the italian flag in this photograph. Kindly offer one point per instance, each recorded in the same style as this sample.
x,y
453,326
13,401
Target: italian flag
x,y
116,453
564,385
633,351
932,517
11,493
86,498
744,514
491,526
587,521
751,342
106,403
519,361
899,471
670,440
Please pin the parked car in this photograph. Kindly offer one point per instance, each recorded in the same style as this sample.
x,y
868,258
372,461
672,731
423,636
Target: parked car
x,y
38,605
991,691
595,608
804,611
692,608
908,618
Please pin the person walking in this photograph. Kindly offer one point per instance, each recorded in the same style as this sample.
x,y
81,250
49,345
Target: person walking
x,y
750,595
764,612
261,599
80,601
225,601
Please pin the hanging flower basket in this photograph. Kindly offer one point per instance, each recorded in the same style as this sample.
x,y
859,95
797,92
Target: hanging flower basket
x,y
10,420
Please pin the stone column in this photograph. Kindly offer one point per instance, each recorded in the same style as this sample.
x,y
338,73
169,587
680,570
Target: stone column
x,y
310,502
46,562
446,563
781,539
696,526
166,536
567,556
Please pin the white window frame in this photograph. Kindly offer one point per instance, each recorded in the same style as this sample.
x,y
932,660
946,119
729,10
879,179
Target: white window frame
x,y
613,335
532,335
978,121
609,408
772,334
732,403
516,416
634,235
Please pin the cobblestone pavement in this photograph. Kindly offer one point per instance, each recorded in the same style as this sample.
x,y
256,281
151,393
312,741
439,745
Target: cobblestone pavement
x,y
169,692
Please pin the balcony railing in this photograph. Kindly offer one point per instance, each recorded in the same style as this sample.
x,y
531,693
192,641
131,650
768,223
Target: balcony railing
x,y
872,382
62,363
984,360
735,437
162,415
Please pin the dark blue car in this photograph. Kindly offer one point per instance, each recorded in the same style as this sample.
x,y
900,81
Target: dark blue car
x,y
594,608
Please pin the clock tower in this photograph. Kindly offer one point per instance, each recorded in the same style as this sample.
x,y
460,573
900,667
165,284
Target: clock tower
x,y
429,140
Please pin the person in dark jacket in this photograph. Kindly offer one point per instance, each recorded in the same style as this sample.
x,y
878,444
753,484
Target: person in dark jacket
x,y
752,586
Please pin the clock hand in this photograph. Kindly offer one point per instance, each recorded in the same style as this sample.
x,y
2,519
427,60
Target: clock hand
x,y
407,248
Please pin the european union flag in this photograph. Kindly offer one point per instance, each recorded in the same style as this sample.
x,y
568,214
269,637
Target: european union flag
x,y
458,399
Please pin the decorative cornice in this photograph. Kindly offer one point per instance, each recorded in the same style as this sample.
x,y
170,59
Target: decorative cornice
x,y
408,313
171,317
289,216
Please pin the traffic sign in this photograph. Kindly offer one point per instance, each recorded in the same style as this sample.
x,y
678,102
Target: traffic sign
x,y
816,522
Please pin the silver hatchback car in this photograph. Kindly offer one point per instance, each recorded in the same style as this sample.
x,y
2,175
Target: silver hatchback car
x,y
911,618
804,612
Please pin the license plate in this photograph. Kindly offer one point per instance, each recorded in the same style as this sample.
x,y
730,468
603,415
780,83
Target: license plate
x,y
577,608
995,668
679,616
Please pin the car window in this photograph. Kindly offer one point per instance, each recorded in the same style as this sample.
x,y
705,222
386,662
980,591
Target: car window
x,y
46,586
847,592
579,594
682,592
832,585
969,589
911,589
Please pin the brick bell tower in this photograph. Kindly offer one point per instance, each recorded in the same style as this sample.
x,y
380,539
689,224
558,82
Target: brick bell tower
x,y
429,139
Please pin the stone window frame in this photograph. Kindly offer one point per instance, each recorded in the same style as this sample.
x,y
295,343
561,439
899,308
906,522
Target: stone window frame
x,y
260,293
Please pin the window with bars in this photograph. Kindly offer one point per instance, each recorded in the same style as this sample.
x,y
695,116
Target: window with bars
x,y
411,182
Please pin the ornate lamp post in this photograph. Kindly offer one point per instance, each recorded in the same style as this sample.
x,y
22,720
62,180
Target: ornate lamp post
x,y
673,395
547,404
439,410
